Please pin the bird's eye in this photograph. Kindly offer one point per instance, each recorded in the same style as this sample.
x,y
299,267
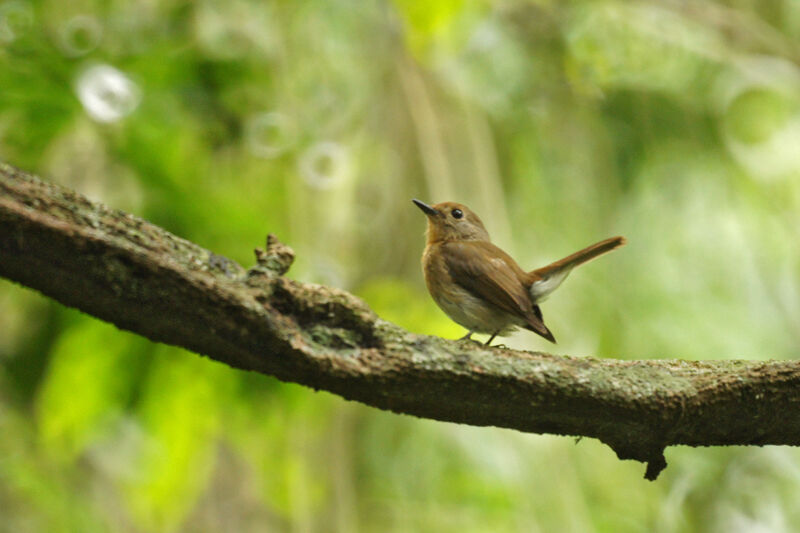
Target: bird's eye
x,y
457,213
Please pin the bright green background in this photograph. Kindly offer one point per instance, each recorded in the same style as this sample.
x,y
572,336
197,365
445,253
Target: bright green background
x,y
675,124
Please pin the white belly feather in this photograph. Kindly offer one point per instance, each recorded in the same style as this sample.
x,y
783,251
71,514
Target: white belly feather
x,y
474,314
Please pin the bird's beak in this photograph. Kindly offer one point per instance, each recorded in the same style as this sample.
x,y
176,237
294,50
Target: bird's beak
x,y
428,210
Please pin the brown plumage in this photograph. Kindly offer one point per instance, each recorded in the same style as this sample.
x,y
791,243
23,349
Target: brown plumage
x,y
480,286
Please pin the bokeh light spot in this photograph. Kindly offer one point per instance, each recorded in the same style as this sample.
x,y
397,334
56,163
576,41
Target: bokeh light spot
x,y
270,134
324,164
106,93
15,19
80,35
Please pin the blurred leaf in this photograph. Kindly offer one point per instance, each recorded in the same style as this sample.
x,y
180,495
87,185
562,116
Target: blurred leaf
x,y
639,45
284,433
86,386
180,414
755,115
433,24
36,495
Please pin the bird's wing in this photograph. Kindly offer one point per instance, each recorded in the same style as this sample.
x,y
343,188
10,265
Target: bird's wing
x,y
548,278
492,275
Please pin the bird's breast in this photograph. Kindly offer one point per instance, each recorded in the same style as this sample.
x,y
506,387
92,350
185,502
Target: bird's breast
x,y
458,303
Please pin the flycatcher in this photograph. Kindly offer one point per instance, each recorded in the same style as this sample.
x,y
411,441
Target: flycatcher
x,y
480,286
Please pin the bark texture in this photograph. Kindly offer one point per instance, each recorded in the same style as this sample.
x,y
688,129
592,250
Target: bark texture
x,y
126,271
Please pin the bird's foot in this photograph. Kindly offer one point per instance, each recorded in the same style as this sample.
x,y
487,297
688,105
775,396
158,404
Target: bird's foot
x,y
501,345
467,337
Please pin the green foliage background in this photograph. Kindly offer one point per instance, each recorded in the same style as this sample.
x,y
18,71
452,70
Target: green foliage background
x,y
676,124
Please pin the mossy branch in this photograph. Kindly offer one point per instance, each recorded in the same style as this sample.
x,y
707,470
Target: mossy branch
x,y
124,270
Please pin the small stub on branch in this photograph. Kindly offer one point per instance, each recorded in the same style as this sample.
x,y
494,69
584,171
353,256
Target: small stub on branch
x,y
275,260
655,466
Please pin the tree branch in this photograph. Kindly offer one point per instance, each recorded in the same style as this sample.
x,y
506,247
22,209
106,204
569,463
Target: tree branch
x,y
126,271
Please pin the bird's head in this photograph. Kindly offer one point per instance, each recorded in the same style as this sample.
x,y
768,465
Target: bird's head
x,y
450,221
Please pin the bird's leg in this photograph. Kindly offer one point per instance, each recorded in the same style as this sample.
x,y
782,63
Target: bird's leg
x,y
487,343
466,337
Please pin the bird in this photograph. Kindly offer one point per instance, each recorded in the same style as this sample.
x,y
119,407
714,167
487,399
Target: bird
x,y
480,286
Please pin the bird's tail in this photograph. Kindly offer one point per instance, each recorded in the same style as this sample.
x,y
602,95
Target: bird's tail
x,y
547,279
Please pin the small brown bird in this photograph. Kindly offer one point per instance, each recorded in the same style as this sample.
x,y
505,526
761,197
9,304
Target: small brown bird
x,y
480,286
